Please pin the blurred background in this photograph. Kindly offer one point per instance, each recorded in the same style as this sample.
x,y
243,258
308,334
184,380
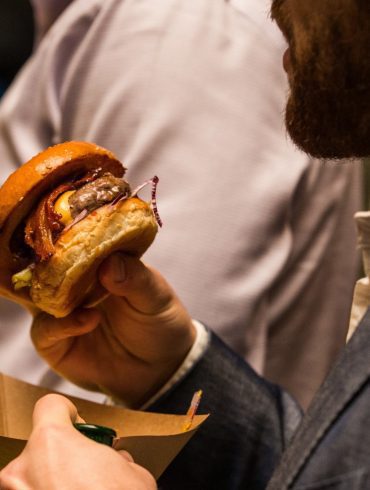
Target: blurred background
x,y
16,42
16,38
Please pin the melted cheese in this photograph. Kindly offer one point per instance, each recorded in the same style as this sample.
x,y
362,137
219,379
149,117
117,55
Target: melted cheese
x,y
61,206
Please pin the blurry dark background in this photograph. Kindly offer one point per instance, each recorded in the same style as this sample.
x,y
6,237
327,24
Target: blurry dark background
x,y
16,38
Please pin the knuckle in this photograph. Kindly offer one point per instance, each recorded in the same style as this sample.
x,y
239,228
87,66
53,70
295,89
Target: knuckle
x,y
7,475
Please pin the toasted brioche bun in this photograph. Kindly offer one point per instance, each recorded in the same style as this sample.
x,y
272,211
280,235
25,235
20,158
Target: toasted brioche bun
x,y
68,278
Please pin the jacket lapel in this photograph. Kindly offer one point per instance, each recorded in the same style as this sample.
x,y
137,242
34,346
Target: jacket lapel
x,y
348,375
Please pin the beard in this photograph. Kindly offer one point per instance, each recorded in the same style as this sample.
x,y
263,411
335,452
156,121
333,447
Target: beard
x,y
328,109
329,122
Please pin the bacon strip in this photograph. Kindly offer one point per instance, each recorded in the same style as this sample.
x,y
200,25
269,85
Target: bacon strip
x,y
43,226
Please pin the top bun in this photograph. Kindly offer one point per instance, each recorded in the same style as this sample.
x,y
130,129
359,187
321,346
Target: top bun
x,y
23,189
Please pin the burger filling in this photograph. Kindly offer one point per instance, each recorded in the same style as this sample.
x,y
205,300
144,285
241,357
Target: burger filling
x,y
97,193
63,207
58,211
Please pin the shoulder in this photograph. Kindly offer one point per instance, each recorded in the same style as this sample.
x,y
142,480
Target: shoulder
x,y
245,413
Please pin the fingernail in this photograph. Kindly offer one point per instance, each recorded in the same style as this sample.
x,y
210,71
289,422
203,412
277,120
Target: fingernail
x,y
119,269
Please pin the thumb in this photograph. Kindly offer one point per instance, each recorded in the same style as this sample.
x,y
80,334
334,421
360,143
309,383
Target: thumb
x,y
125,455
143,287
55,408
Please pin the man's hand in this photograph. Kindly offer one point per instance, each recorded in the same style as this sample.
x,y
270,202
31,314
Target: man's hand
x,y
130,344
58,457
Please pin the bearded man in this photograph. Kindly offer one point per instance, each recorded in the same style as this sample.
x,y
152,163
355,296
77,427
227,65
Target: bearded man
x,y
252,422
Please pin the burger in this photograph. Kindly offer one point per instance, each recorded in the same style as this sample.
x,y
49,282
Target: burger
x,y
61,214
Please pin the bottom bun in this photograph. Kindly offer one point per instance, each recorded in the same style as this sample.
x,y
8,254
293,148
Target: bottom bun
x,y
69,278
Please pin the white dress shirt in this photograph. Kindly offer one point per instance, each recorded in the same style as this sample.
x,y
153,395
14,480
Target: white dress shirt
x,y
254,231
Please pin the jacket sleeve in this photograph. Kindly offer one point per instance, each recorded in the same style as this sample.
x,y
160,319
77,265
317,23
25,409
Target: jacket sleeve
x,y
240,443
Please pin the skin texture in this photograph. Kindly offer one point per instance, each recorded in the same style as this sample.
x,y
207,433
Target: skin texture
x,y
130,336
67,457
142,332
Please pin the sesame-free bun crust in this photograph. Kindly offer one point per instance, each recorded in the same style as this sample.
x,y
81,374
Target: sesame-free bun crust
x,y
65,280
23,188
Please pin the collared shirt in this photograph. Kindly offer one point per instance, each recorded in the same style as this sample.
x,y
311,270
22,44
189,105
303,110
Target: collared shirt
x,y
194,92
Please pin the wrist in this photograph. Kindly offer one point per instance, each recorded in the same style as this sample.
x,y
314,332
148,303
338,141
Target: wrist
x,y
165,370
201,341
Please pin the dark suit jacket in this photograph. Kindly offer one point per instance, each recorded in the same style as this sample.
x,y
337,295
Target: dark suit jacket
x,y
240,443
252,422
331,448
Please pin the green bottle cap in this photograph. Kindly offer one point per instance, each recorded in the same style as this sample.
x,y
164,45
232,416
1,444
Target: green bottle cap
x,y
98,433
